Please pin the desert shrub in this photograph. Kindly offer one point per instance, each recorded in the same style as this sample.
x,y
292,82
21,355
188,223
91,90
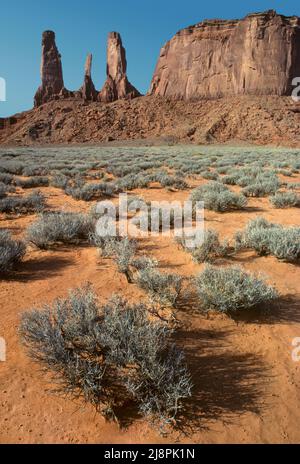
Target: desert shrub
x,y
133,181
109,354
293,185
13,167
59,181
285,200
32,182
262,188
162,288
11,251
232,289
167,181
217,197
3,190
59,227
270,239
33,203
211,248
144,262
209,175
6,178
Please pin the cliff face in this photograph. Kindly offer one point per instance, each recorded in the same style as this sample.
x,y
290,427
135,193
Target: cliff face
x,y
258,55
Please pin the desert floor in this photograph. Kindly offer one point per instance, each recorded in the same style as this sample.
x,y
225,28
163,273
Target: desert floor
x,y
246,385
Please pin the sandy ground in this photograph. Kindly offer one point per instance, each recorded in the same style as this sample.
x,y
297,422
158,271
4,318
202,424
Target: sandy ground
x,y
246,385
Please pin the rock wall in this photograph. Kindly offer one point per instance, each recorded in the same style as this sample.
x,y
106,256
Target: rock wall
x,y
259,55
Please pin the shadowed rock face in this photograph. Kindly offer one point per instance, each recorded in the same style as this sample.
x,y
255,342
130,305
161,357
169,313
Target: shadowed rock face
x,y
117,85
51,71
88,91
259,55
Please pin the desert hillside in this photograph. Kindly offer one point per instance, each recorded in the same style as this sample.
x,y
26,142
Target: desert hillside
x,y
259,120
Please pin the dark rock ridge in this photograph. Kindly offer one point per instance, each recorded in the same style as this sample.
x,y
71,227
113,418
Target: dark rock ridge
x,y
258,55
116,86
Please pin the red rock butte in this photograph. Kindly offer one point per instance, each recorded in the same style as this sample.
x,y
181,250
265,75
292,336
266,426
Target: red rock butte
x,y
258,55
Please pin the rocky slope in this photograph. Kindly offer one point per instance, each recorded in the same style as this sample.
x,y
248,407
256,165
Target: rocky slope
x,y
261,120
259,55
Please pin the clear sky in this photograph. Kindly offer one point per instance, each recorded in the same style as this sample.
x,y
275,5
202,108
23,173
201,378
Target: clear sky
x,y
82,26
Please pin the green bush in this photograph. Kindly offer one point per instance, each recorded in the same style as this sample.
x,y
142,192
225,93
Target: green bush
x,y
109,355
231,289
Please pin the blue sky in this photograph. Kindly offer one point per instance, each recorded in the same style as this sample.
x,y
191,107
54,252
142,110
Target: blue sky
x,y
82,27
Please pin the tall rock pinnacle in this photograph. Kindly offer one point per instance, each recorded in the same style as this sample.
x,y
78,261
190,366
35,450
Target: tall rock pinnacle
x,y
88,91
51,71
117,85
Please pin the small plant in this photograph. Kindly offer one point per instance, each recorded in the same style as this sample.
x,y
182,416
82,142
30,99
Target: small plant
x,y
285,200
232,289
38,181
11,251
33,203
270,239
217,197
162,288
61,227
109,355
211,248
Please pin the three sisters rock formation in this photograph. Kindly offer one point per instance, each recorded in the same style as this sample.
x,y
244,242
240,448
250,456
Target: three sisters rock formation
x,y
258,55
